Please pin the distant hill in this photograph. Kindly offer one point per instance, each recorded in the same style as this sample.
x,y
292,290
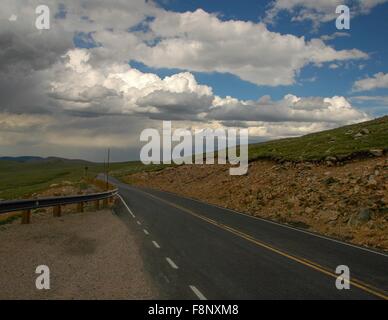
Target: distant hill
x,y
34,159
21,159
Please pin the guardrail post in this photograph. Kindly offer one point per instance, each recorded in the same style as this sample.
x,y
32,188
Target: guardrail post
x,y
57,211
26,217
80,207
105,203
97,204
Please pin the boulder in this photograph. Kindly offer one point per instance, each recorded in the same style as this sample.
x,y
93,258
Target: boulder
x,y
330,180
362,216
331,159
376,152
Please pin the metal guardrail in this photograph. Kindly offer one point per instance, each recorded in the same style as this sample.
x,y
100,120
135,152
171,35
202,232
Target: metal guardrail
x,y
29,204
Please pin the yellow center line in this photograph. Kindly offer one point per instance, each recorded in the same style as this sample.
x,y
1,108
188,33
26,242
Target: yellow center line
x,y
313,265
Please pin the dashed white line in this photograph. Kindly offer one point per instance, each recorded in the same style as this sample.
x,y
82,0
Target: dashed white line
x,y
138,222
198,293
171,263
156,244
146,232
129,210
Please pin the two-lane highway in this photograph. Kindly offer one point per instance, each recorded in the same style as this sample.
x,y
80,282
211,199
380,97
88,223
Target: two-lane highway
x,y
195,250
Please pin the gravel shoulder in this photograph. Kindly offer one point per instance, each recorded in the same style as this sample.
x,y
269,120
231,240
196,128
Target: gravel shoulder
x,y
91,255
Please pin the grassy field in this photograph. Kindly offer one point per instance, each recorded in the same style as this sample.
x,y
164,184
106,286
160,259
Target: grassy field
x,y
20,180
340,143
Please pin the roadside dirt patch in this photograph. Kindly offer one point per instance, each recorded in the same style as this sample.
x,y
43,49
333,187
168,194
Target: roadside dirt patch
x,y
347,201
90,255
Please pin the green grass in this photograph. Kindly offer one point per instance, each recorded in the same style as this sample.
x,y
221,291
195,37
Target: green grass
x,y
318,146
20,180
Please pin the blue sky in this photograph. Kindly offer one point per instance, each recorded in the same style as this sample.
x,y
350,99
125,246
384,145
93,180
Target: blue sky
x,y
367,33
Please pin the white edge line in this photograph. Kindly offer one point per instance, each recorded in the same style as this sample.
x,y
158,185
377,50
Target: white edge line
x,y
197,293
171,263
156,244
129,210
146,232
280,224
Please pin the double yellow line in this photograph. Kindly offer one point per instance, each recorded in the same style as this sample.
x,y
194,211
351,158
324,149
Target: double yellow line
x,y
354,282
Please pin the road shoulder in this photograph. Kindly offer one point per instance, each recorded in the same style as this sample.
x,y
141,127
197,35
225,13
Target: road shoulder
x,y
91,255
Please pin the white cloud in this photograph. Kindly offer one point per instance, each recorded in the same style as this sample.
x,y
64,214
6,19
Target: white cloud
x,y
120,89
291,108
379,80
199,41
383,100
334,36
318,11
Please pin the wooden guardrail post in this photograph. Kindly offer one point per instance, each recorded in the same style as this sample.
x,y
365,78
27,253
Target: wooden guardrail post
x,y
26,217
105,203
57,211
97,204
80,207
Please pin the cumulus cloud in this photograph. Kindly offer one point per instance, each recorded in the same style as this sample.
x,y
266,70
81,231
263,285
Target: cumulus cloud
x,y
291,108
379,80
200,41
120,89
318,11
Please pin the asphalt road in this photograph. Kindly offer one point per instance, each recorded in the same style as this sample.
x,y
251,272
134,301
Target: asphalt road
x,y
198,251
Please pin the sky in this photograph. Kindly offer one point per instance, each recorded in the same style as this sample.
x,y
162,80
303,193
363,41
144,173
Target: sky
x,y
105,70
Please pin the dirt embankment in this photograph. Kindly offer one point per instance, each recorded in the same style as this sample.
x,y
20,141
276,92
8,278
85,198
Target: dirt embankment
x,y
347,201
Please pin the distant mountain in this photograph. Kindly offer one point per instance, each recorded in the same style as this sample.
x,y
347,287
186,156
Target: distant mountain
x,y
21,159
34,159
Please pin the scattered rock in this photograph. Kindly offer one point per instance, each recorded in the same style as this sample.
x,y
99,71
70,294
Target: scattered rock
x,y
308,210
362,216
330,180
376,152
364,131
371,180
357,135
330,158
